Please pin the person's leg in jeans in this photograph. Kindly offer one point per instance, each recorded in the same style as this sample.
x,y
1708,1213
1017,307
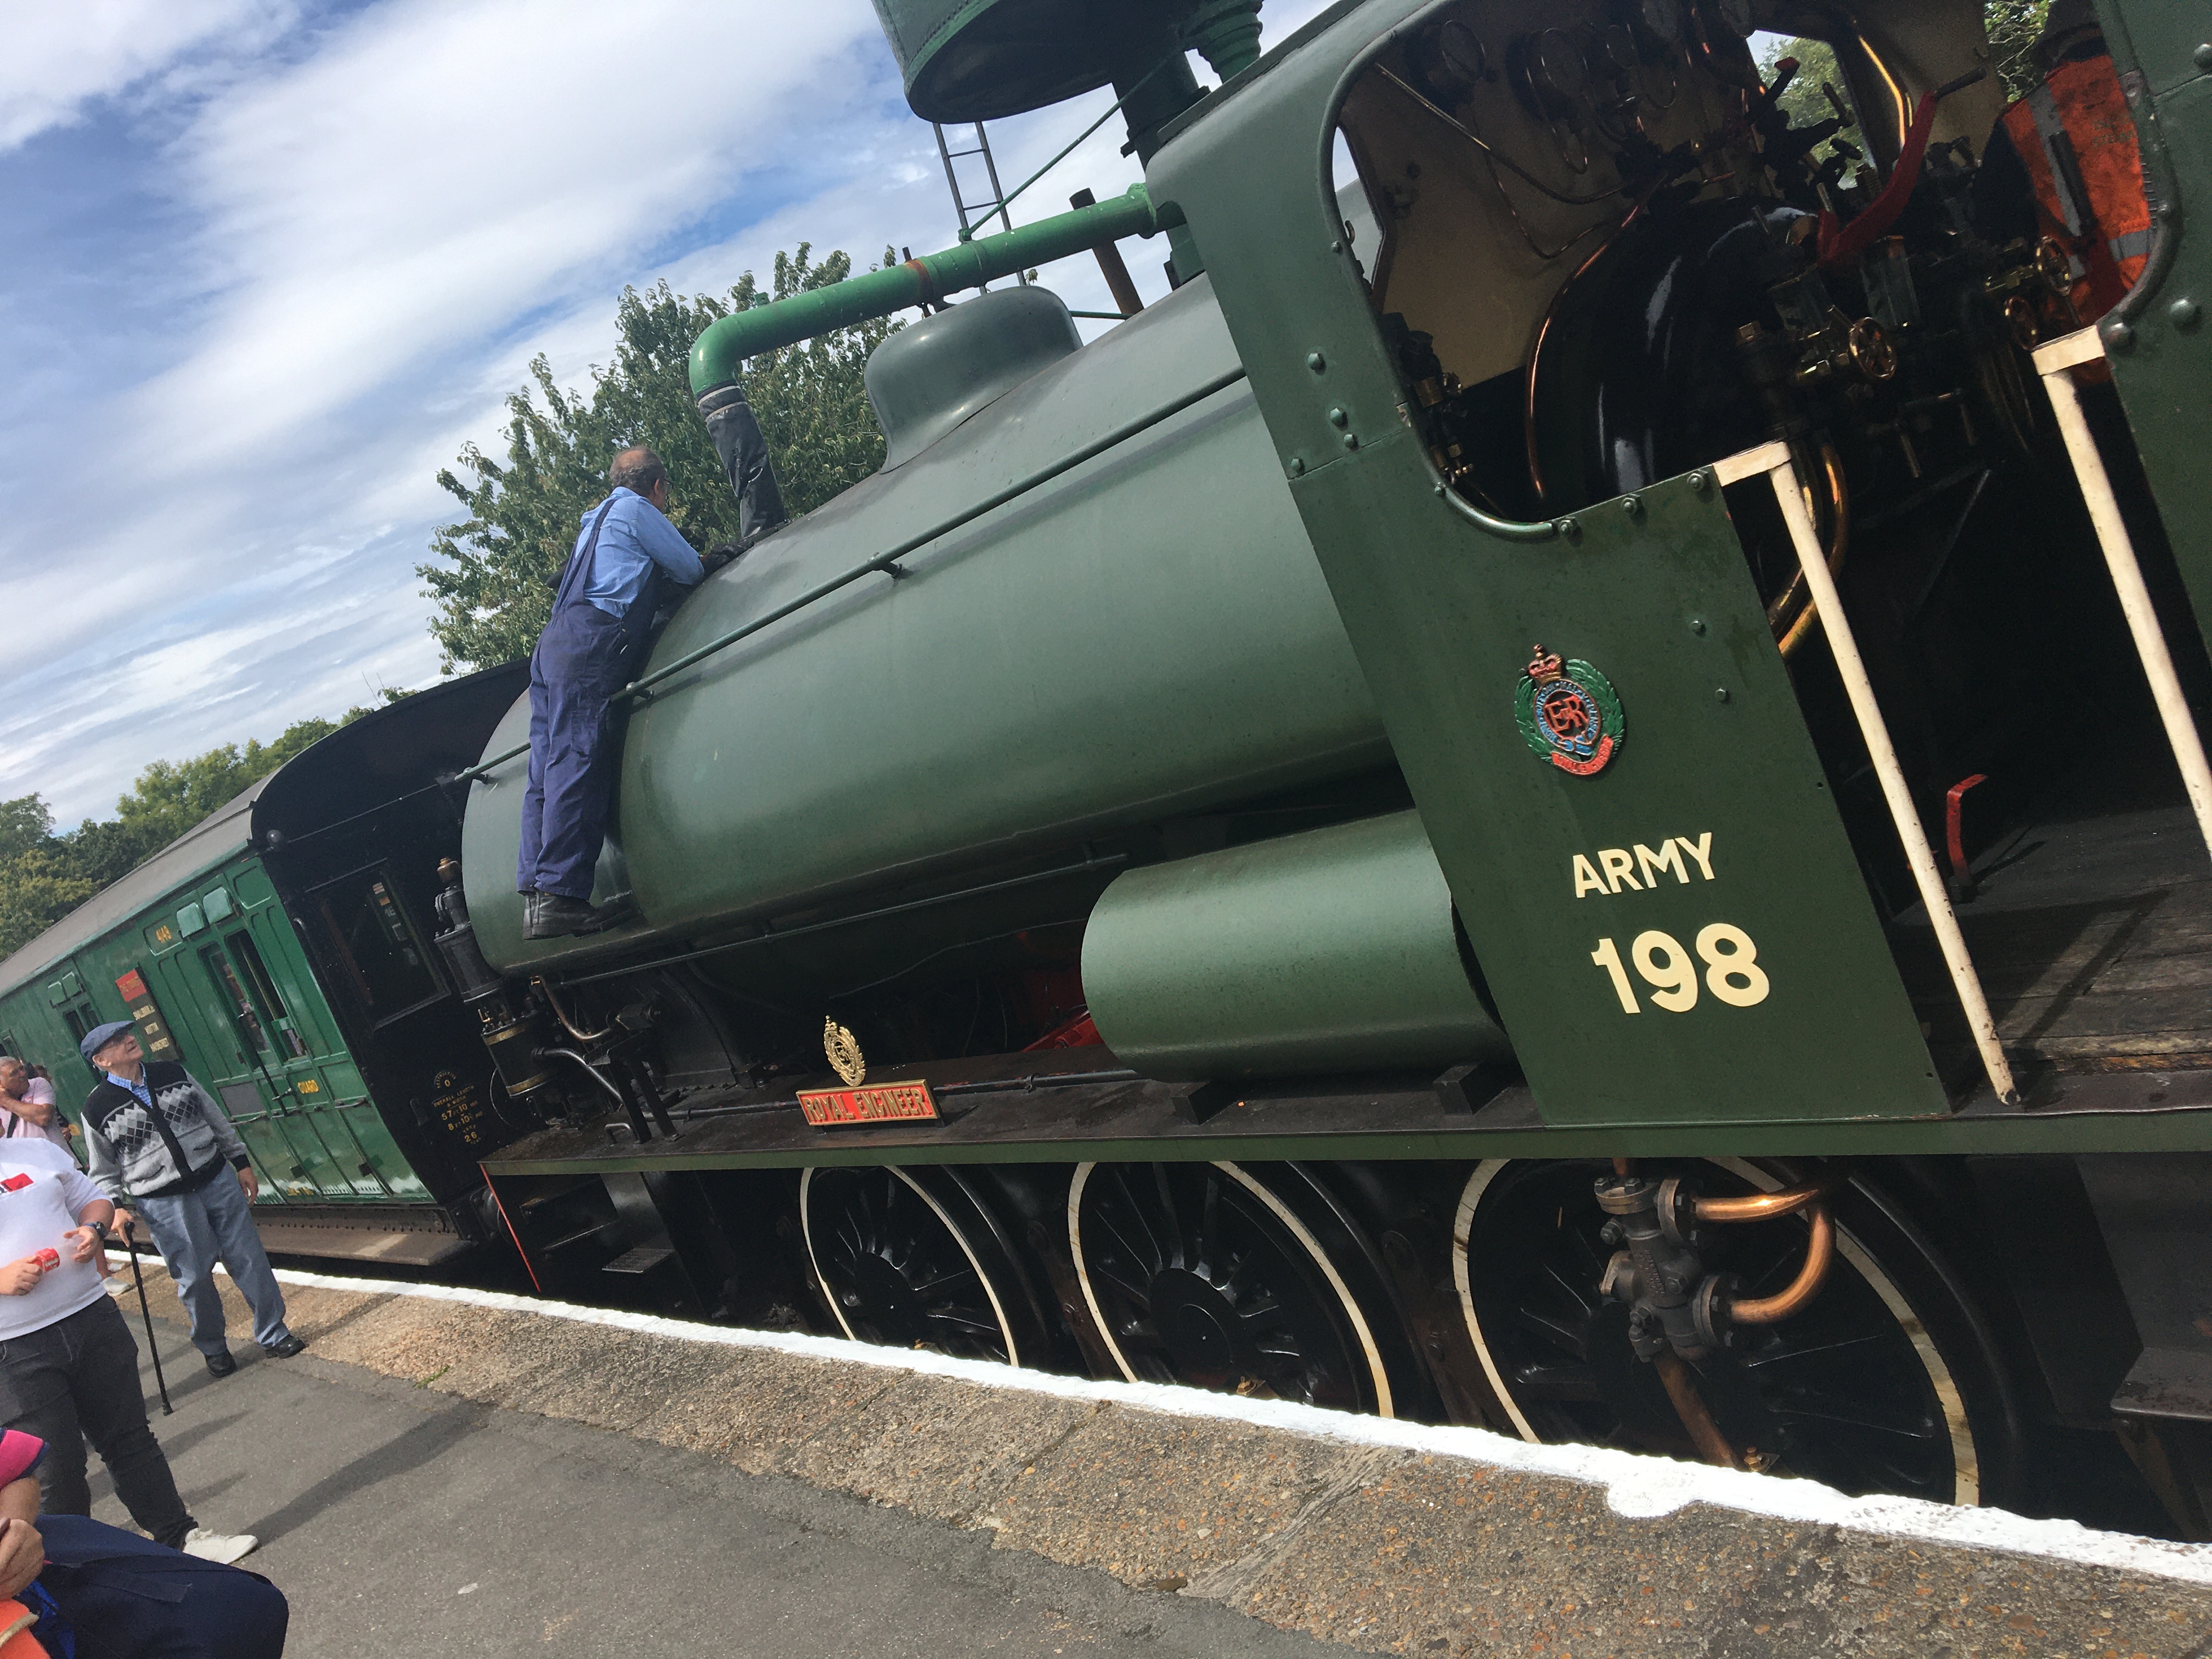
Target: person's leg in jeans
x,y
182,1233
35,1396
237,1241
534,793
110,1404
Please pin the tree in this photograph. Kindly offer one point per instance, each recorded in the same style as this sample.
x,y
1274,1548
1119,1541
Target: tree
x,y
494,587
43,875
2012,26
172,796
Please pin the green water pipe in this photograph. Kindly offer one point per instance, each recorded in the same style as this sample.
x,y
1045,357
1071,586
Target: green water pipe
x,y
729,341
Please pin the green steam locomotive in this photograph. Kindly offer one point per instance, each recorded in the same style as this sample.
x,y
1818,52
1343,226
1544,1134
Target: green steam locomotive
x,y
1561,793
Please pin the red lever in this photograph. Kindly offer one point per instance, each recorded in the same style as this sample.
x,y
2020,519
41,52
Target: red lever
x,y
1839,244
1954,806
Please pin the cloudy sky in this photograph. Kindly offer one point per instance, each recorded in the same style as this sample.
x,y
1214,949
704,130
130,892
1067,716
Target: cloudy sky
x,y
273,262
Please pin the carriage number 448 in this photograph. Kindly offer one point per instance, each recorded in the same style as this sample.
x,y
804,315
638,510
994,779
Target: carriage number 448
x,y
1732,970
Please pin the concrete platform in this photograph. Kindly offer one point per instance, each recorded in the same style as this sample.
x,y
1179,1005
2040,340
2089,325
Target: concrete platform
x,y
525,1477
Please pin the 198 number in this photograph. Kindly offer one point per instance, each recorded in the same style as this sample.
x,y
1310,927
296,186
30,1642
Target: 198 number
x,y
1732,969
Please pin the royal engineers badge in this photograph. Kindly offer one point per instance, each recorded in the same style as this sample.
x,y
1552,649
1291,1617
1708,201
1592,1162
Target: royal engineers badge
x,y
1569,713
842,1050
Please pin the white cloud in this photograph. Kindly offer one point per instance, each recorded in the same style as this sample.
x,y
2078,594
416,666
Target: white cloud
x,y
63,53
437,170
389,214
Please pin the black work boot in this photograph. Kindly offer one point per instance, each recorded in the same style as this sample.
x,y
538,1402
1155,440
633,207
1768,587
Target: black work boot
x,y
556,915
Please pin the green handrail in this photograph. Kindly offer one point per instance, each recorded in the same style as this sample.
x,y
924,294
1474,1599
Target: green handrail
x,y
730,340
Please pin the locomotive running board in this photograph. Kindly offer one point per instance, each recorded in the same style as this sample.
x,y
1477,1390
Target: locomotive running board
x,y
1063,1119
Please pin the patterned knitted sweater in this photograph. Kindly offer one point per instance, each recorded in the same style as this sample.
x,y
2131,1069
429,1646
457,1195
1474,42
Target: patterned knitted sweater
x,y
174,1148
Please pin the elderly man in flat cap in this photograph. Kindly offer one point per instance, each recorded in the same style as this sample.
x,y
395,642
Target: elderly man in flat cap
x,y
159,1145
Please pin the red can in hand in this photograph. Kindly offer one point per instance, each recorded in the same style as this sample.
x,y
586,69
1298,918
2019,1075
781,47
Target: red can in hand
x,y
48,1260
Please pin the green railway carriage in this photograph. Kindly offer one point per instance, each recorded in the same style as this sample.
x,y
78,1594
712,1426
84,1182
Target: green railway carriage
x,y
254,991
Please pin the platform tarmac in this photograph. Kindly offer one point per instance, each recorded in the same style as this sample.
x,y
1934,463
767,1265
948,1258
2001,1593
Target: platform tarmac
x,y
457,1471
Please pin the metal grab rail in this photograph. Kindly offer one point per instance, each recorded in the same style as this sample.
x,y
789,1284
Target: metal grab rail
x,y
2053,362
886,561
1773,460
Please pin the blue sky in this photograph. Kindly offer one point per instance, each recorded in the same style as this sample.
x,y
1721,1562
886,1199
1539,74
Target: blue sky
x,y
272,264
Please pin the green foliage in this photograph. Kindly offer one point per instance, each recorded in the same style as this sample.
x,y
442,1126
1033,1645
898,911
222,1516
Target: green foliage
x,y
2013,26
1803,100
172,796
498,568
43,875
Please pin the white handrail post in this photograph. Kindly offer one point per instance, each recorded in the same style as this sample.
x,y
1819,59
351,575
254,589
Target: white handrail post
x,y
2054,363
1773,459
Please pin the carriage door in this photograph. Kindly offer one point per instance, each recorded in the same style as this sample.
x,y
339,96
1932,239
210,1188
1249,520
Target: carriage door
x,y
269,1052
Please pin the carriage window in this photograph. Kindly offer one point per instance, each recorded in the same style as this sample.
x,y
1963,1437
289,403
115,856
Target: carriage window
x,y
246,1019
375,938
247,956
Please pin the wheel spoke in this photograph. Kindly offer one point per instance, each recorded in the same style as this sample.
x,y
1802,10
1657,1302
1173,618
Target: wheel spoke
x,y
1172,1218
1209,1220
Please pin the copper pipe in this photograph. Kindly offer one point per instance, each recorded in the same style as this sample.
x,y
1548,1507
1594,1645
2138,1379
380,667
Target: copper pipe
x,y
1762,1207
562,1014
1770,1309
1622,1166
1690,1405
1839,543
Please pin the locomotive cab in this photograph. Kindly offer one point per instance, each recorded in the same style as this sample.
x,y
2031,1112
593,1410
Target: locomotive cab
x,y
1600,254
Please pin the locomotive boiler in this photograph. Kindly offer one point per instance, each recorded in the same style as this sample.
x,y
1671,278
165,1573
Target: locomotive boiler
x,y
1562,792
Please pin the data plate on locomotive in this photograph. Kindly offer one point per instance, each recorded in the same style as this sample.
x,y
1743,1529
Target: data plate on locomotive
x,y
876,1102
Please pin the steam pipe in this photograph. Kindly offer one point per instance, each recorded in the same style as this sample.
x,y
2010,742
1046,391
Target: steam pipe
x,y
1761,1207
1771,1310
729,341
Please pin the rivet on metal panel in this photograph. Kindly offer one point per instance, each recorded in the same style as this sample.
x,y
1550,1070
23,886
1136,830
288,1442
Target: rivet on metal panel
x,y
1316,361
1298,465
1337,417
2119,337
1569,529
1701,482
2202,55
1632,505
1696,624
1352,440
1720,694
2184,312
1336,247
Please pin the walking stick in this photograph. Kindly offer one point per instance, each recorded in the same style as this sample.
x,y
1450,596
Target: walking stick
x,y
131,1249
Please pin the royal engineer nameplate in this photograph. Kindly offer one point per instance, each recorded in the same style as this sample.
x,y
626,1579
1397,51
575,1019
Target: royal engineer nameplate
x,y
878,1103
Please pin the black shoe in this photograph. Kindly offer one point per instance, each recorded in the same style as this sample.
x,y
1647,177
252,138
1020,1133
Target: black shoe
x,y
221,1364
284,1350
553,915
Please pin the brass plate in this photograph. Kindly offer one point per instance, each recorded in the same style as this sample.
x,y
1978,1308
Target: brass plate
x,y
877,1102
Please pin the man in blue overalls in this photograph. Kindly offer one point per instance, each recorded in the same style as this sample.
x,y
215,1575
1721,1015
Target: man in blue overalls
x,y
594,645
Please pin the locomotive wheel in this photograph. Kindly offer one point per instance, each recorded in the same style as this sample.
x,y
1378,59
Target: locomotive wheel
x,y
1206,1274
912,1262
1885,1383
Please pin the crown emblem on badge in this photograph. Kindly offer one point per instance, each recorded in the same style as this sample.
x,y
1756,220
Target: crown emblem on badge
x,y
843,1050
1569,713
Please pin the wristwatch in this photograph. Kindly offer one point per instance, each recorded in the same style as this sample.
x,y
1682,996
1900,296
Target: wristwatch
x,y
99,1230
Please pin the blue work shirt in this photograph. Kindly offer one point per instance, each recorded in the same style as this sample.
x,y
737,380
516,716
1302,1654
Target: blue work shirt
x,y
635,537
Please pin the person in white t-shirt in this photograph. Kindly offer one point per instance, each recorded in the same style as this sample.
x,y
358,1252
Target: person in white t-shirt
x,y
69,1365
27,1106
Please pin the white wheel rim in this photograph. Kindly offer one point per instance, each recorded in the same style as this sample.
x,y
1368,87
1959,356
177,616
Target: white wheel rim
x,y
1385,1407
806,1228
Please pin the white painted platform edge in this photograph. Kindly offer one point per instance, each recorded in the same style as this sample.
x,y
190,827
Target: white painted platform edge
x,y
1637,1485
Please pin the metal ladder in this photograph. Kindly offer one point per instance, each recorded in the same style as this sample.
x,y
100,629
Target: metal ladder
x,y
975,214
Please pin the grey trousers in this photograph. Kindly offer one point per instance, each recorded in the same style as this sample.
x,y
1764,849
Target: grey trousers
x,y
195,1230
